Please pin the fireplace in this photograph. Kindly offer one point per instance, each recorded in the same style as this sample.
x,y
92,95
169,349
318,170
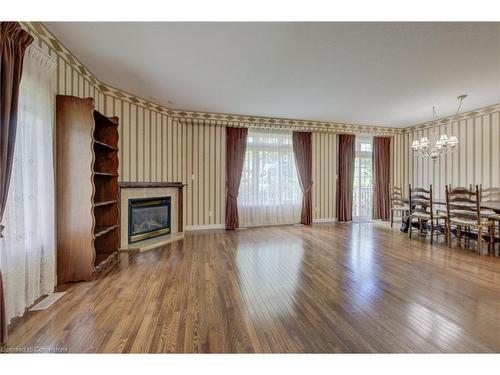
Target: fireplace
x,y
148,218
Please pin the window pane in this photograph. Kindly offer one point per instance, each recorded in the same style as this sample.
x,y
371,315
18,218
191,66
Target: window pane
x,y
362,184
269,174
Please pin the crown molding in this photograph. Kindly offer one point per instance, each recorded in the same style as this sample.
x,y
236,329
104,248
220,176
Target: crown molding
x,y
46,37
239,121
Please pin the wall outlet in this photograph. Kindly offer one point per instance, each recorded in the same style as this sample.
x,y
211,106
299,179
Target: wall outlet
x,y
192,177
209,213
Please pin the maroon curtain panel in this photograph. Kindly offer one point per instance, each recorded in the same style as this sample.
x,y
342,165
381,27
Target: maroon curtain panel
x,y
302,151
347,155
381,165
236,145
13,43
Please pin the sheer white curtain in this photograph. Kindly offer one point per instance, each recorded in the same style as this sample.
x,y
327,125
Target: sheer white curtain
x,y
27,252
269,190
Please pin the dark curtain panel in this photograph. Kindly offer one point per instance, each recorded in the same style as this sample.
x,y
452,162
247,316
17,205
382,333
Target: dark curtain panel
x,y
381,176
13,44
347,155
302,151
236,145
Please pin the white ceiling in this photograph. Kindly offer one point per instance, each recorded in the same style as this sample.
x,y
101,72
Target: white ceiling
x,y
388,74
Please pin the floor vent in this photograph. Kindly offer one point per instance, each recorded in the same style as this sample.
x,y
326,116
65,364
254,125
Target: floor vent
x,y
47,302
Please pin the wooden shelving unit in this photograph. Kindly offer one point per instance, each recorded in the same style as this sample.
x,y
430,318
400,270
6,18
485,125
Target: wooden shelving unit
x,y
104,146
104,203
88,193
106,196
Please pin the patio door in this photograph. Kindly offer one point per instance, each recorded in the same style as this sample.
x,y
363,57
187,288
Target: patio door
x,y
363,180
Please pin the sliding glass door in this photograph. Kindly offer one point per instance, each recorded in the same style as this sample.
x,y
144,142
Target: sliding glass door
x,y
363,182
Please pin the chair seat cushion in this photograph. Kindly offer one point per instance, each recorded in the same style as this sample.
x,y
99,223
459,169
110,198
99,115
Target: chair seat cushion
x,y
427,216
470,223
421,215
487,213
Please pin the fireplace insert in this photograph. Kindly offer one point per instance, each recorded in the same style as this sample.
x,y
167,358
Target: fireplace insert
x,y
148,218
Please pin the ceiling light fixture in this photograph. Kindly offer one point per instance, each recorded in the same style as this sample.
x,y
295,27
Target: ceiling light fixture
x,y
437,146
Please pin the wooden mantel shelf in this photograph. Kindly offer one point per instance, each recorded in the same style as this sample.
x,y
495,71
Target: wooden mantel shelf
x,y
130,184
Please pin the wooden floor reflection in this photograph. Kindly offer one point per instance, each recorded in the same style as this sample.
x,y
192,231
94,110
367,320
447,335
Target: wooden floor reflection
x,y
326,288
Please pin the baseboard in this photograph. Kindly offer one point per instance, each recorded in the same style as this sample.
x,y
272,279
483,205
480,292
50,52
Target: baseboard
x,y
204,227
325,220
223,226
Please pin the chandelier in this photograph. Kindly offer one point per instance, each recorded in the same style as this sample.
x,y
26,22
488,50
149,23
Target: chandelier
x,y
437,146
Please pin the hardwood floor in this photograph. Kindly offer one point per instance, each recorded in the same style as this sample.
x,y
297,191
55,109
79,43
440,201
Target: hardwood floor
x,y
325,288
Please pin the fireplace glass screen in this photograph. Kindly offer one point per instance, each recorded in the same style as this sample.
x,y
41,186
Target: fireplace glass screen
x,y
148,218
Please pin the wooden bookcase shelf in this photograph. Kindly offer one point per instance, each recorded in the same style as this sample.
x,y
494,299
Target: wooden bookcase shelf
x,y
102,230
103,146
88,213
106,174
104,203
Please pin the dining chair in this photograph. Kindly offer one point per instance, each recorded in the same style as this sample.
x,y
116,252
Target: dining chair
x,y
397,204
485,195
421,208
491,194
441,209
463,207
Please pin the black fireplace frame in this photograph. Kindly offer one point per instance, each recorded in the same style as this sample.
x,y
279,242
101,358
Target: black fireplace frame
x,y
163,231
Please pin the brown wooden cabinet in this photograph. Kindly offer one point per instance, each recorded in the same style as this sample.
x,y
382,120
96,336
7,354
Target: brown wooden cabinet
x,y
88,211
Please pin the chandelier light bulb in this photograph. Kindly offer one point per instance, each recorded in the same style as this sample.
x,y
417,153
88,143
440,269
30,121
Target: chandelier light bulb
x,y
424,143
453,141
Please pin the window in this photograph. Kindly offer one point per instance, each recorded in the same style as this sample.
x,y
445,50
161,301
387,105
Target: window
x,y
364,146
362,186
269,189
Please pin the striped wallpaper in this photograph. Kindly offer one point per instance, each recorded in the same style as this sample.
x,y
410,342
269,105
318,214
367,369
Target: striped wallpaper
x,y
399,161
158,144
324,176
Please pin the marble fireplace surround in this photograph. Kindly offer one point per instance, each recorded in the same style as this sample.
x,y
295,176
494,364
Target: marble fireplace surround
x,y
133,190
